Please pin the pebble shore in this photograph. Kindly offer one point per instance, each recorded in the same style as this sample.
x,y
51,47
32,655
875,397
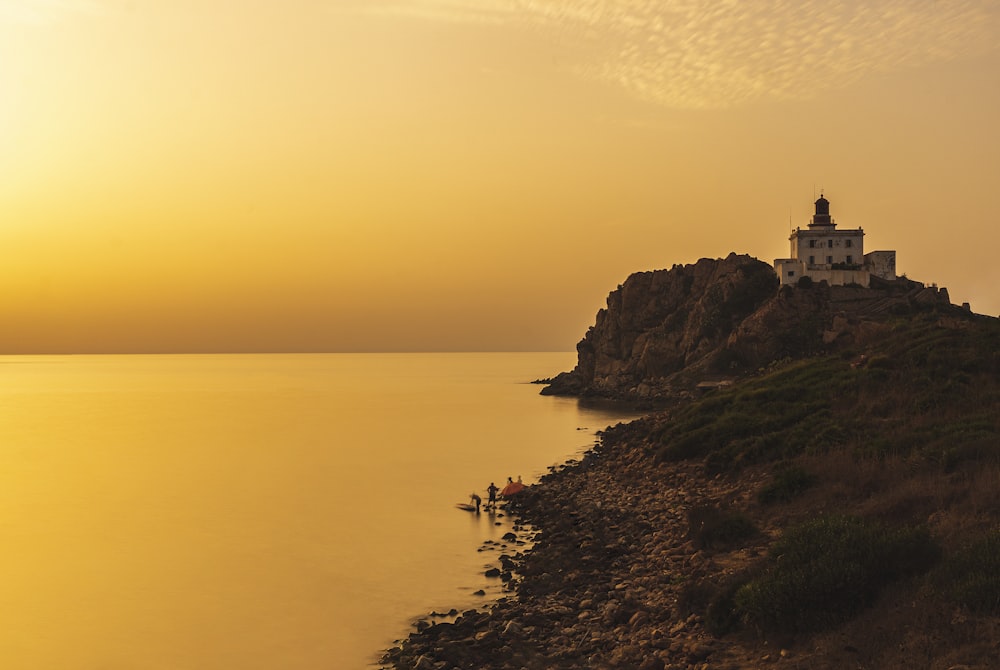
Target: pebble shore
x,y
599,586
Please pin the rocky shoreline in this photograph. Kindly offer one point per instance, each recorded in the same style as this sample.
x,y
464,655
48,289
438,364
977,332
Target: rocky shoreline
x,y
600,586
619,562
868,405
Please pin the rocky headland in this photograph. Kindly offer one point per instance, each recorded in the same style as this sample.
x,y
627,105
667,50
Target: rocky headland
x,y
819,487
665,331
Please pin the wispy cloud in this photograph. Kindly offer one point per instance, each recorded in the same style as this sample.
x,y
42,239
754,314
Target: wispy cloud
x,y
717,53
45,11
453,11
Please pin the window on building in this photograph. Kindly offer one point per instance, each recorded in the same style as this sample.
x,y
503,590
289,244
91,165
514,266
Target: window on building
x,y
829,259
812,260
812,243
791,273
850,258
847,243
829,244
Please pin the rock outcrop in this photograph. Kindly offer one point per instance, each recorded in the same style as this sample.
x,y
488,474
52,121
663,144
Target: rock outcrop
x,y
640,551
665,331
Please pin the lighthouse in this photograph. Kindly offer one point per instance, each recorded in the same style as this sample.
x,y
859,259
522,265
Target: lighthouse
x,y
823,252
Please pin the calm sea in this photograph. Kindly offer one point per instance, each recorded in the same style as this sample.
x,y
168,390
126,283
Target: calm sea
x,y
256,511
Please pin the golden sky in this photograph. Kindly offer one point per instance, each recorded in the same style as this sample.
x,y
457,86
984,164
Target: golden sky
x,y
415,175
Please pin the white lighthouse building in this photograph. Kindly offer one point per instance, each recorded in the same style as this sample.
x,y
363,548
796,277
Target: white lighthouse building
x,y
824,253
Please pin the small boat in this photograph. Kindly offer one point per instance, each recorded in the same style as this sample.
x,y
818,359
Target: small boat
x,y
466,506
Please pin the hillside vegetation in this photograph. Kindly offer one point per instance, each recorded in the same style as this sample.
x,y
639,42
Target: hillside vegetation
x,y
818,488
864,489
922,387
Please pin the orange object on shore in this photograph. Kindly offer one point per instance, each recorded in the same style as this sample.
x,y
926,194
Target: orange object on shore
x,y
511,489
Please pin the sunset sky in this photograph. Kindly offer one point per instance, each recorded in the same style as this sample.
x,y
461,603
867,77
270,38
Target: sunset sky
x,y
421,175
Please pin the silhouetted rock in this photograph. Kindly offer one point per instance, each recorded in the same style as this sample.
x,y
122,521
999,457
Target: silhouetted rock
x,y
665,332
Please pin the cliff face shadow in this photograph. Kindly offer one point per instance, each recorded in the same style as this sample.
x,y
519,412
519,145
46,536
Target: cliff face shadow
x,y
671,335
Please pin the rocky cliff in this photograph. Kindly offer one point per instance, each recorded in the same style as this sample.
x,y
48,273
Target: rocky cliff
x,y
666,331
835,509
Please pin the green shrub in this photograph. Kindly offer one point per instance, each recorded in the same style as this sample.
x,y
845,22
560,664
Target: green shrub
x,y
710,527
825,571
971,576
713,602
788,483
882,363
720,616
693,444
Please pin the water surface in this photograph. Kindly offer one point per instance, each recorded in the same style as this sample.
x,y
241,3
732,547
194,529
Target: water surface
x,y
255,511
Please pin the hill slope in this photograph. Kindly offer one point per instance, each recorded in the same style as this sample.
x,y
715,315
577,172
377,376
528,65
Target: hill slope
x,y
664,331
836,506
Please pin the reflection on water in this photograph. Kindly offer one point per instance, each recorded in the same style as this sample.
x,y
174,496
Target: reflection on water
x,y
292,511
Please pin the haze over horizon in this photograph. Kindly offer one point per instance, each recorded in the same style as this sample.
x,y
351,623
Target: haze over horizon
x,y
465,175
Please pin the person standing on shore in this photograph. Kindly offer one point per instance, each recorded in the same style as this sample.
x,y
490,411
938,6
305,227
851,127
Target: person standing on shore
x,y
476,499
492,501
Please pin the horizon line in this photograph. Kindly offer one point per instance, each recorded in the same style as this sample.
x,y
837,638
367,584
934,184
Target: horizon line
x,y
287,353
